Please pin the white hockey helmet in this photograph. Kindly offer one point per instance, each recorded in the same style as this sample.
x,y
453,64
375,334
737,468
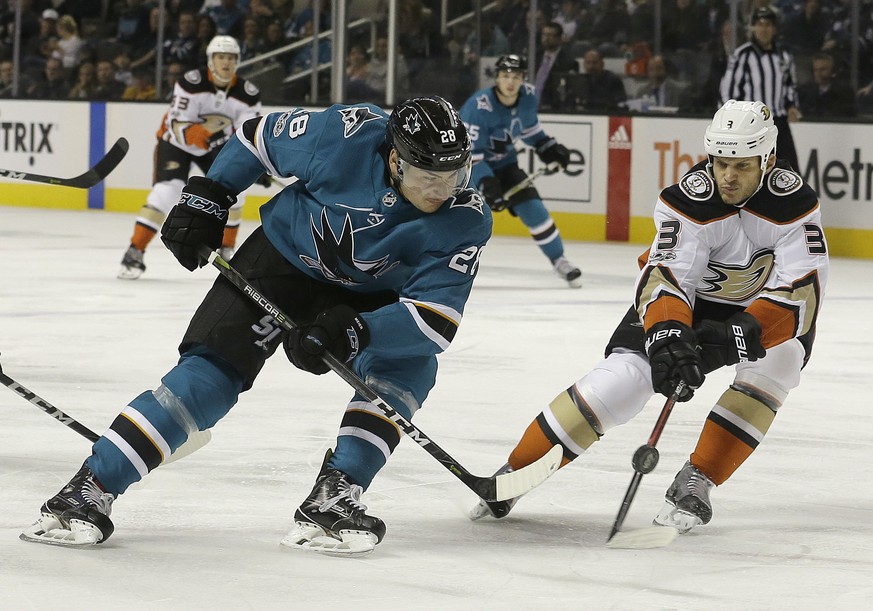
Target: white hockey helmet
x,y
741,129
221,44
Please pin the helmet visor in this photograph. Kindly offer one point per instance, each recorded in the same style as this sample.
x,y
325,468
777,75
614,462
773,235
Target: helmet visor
x,y
434,184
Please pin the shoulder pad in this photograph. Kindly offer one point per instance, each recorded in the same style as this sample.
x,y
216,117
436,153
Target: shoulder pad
x,y
195,81
250,88
698,185
783,182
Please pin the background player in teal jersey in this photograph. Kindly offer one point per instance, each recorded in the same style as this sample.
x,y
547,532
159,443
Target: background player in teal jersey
x,y
372,252
497,117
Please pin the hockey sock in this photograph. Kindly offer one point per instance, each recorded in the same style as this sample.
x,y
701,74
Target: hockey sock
x,y
733,429
567,421
142,235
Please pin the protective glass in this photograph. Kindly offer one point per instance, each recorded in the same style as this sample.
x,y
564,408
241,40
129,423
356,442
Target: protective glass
x,y
432,183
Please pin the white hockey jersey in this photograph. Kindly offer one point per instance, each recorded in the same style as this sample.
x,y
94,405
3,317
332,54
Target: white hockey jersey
x,y
770,256
203,117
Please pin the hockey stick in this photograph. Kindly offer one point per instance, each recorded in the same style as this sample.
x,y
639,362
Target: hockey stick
x,y
83,181
644,461
195,441
524,184
496,488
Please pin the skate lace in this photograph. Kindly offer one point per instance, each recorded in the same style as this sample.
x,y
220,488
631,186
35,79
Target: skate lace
x,y
348,492
699,485
92,494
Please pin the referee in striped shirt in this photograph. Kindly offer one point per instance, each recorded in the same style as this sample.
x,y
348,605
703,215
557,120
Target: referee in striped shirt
x,y
760,70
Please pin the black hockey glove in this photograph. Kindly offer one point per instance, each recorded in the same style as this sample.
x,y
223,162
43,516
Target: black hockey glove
x,y
549,152
264,180
339,330
735,340
492,192
673,355
197,219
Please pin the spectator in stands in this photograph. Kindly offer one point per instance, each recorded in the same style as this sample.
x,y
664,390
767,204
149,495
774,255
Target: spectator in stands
x,y
228,18
107,87
553,63
143,87
184,47
205,32
511,17
489,41
379,68
36,49
172,74
717,50
597,89
303,58
661,90
274,36
264,12
805,31
686,26
418,37
132,26
29,25
52,83
68,47
573,19
86,83
80,9
828,95
7,76
123,71
641,28
252,43
296,24
358,88
610,27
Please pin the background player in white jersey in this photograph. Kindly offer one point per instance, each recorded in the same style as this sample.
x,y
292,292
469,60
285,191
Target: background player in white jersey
x,y
207,106
735,276
497,117
373,259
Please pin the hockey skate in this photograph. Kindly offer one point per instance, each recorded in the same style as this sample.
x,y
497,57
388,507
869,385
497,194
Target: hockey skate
x,y
77,516
568,271
495,509
332,519
132,266
687,503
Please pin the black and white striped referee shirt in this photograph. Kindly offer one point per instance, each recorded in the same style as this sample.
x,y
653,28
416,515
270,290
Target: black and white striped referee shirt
x,y
755,74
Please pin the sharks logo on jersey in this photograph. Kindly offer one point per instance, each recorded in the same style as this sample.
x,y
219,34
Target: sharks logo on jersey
x,y
336,254
483,103
468,199
355,117
410,119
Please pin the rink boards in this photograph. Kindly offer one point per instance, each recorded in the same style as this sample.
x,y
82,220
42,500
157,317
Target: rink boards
x,y
618,166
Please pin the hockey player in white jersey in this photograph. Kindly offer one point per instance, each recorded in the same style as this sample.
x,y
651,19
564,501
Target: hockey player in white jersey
x,y
207,106
734,277
373,252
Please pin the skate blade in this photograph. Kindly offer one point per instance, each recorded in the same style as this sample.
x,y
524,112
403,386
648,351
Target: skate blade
x,y
129,273
681,521
50,532
643,538
309,537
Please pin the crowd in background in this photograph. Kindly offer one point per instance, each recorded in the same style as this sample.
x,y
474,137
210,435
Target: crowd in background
x,y
600,53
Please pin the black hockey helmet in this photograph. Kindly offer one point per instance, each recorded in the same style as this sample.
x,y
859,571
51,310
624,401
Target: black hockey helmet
x,y
428,134
511,63
764,12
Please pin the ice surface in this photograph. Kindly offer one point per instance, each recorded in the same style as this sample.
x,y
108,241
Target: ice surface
x,y
792,530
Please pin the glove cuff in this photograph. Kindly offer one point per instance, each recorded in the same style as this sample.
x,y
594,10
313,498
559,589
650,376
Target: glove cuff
x,y
666,332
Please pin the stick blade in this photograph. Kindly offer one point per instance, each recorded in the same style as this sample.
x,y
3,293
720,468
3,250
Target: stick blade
x,y
643,538
516,483
103,167
195,441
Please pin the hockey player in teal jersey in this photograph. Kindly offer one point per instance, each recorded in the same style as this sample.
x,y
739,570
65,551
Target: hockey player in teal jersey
x,y
497,117
372,251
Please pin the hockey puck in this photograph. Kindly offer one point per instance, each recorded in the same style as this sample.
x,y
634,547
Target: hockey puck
x,y
645,459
